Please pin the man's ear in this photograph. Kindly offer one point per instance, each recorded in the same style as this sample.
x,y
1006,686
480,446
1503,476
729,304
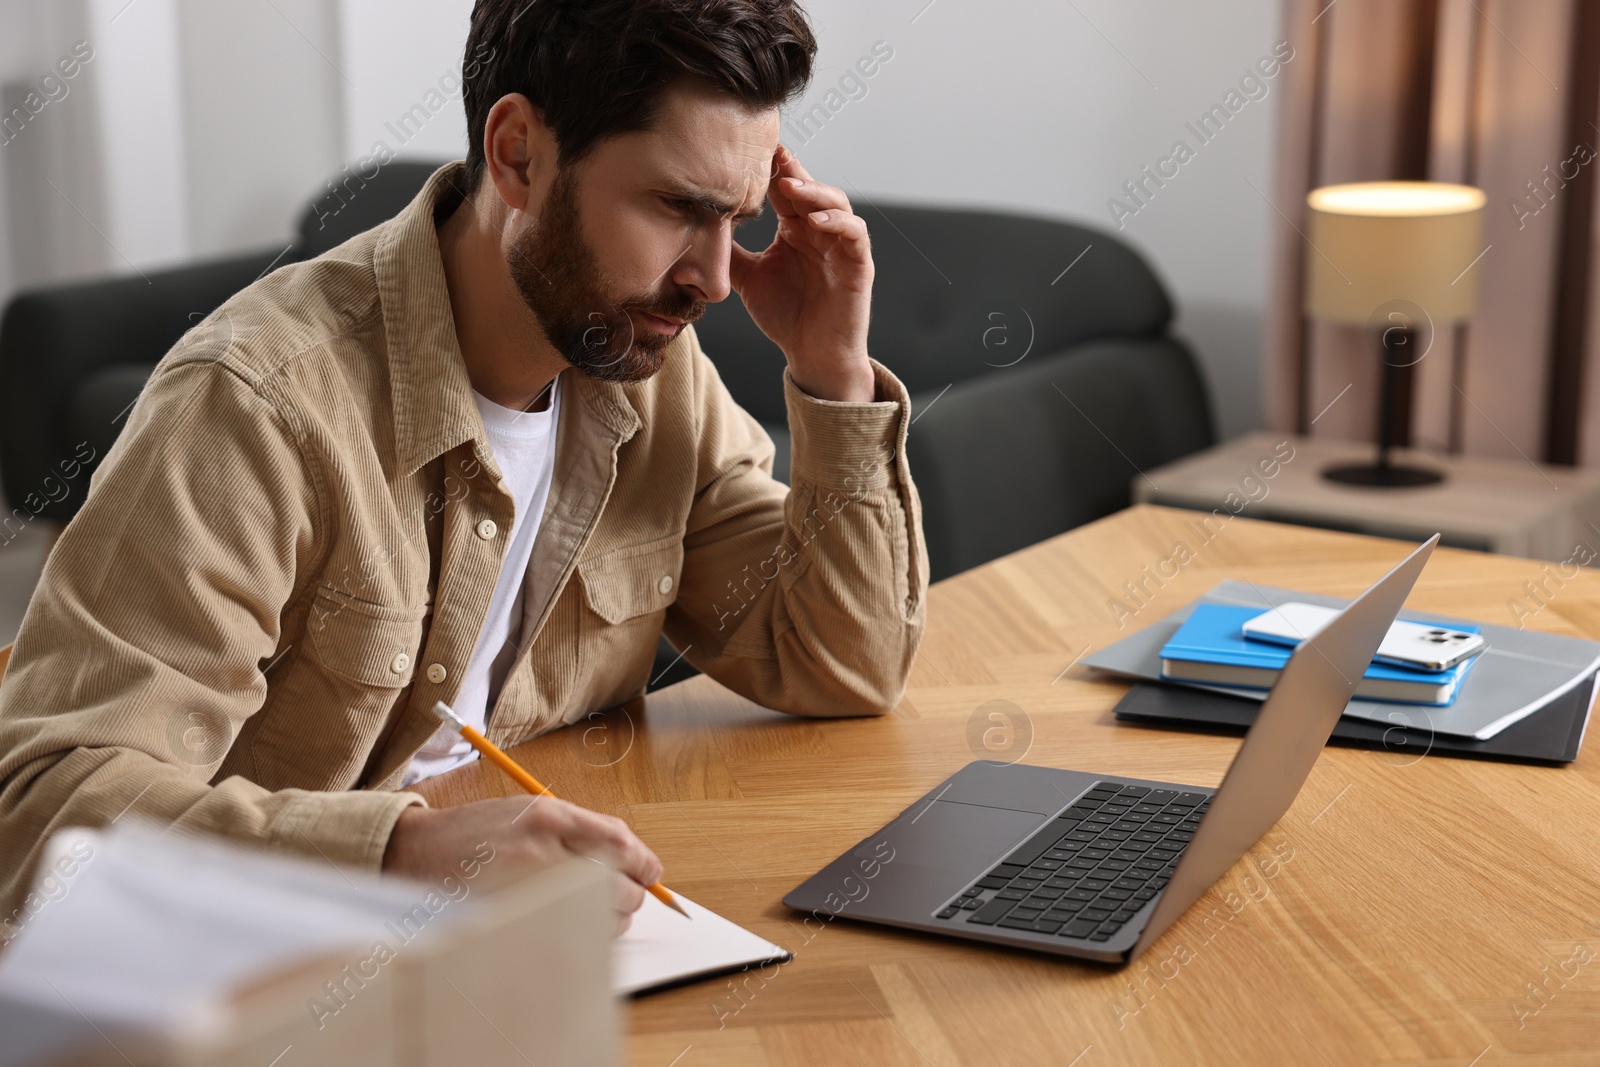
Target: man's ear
x,y
520,151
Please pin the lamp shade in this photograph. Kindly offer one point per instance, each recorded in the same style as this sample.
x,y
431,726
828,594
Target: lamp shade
x,y
1373,243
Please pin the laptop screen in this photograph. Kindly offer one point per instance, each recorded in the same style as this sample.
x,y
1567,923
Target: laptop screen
x,y
1283,743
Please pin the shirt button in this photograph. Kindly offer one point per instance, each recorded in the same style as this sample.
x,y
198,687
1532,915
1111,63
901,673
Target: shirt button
x,y
400,662
665,584
437,673
487,529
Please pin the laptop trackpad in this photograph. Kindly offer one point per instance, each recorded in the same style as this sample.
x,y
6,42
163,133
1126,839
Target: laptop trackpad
x,y
960,837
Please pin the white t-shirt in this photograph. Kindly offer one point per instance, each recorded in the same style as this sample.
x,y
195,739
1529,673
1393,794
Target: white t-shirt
x,y
524,444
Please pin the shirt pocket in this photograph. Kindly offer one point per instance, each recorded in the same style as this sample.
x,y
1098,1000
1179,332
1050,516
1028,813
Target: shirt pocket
x,y
364,643
337,697
636,580
627,592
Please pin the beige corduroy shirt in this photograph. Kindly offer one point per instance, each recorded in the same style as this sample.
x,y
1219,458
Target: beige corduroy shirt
x,y
287,557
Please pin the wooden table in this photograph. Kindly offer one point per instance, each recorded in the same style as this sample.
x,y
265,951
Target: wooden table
x,y
1404,911
1512,506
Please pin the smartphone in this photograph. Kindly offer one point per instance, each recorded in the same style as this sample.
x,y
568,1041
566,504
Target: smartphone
x,y
1408,644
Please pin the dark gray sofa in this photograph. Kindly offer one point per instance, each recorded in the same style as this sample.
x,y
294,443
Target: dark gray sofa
x,y
1039,391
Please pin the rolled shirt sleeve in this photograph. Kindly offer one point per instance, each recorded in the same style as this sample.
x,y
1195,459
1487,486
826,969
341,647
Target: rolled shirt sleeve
x,y
808,599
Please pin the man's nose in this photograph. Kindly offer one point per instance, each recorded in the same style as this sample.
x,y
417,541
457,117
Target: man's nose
x,y
703,267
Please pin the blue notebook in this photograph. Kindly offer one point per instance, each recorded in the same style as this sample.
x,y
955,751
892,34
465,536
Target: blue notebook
x,y
1210,649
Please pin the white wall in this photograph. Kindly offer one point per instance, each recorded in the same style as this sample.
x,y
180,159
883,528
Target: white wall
x,y
262,84
51,159
198,129
401,55
209,124
140,97
1048,107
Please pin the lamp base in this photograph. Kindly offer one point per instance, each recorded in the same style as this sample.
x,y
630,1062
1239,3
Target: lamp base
x,y
1383,476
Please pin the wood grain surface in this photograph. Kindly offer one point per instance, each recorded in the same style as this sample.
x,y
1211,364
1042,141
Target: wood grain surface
x,y
1407,910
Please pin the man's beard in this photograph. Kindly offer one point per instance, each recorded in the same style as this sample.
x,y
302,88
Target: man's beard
x,y
582,317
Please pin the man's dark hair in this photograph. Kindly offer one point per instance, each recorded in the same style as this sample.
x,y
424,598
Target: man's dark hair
x,y
595,68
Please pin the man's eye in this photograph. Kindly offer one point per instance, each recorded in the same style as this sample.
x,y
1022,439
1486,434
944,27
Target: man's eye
x,y
682,207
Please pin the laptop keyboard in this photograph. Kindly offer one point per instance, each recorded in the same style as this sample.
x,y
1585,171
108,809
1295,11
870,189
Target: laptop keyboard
x,y
1091,869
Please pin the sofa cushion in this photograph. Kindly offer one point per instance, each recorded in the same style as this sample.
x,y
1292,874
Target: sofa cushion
x,y
99,406
1008,460
355,201
53,340
958,295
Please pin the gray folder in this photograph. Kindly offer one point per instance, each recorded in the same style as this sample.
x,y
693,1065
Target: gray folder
x,y
1553,735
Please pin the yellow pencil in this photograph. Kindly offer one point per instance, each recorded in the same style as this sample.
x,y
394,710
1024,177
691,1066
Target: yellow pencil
x,y
492,753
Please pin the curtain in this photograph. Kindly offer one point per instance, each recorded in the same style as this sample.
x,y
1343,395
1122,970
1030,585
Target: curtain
x,y
1501,94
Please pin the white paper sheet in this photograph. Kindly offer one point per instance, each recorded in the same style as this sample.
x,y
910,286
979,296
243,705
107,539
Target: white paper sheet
x,y
662,947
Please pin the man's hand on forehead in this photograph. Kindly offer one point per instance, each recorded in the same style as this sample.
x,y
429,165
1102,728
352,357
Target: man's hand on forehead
x,y
810,290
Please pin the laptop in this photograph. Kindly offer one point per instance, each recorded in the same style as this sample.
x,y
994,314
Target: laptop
x,y
1098,866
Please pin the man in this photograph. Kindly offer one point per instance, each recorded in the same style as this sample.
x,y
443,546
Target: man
x,y
477,455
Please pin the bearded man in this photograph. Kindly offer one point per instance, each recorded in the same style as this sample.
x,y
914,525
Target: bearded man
x,y
477,455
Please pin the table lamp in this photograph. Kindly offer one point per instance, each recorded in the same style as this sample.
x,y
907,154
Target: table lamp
x,y
1395,257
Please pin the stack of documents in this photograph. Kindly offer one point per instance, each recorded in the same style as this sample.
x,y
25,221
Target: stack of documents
x,y
1210,648
1518,674
150,931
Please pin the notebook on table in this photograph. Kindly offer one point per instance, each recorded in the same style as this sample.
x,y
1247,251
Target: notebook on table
x,y
1210,647
663,949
